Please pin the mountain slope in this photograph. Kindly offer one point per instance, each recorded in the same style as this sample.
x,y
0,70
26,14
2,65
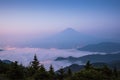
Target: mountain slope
x,y
76,67
107,47
69,38
1,50
6,61
93,58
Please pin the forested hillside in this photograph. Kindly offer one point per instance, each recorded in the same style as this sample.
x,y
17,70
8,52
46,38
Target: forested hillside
x,y
36,71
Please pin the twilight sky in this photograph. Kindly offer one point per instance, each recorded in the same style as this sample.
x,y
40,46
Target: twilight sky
x,y
44,17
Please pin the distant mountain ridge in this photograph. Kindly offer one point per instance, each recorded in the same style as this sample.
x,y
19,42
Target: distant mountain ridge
x,y
93,58
1,49
107,47
66,39
76,67
6,61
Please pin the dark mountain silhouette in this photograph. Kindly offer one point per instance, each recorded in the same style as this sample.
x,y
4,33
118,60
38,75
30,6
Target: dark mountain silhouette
x,y
68,38
77,67
73,67
93,58
1,49
107,47
6,61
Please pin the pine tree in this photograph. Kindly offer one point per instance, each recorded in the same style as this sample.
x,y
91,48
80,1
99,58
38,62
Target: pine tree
x,y
16,72
51,73
35,65
51,70
41,74
42,68
115,72
69,72
88,65
107,72
68,75
33,68
61,74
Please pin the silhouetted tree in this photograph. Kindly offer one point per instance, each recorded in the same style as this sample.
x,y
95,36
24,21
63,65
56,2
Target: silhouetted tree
x,y
41,74
33,68
34,65
51,73
88,65
115,72
69,72
4,67
106,72
16,72
61,74
68,75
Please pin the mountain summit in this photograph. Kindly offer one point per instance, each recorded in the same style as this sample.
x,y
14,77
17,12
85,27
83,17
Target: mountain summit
x,y
66,39
69,30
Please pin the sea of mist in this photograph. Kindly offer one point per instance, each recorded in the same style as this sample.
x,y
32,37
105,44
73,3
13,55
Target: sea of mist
x,y
45,56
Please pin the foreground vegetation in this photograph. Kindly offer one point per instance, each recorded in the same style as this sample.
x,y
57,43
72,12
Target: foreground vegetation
x,y
14,71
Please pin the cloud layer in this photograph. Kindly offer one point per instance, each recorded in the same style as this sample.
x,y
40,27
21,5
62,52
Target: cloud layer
x,y
45,56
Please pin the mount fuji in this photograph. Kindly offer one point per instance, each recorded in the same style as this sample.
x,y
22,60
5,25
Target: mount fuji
x,y
66,39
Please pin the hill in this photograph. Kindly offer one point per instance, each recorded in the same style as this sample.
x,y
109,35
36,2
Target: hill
x,y
107,47
1,49
77,68
6,61
93,58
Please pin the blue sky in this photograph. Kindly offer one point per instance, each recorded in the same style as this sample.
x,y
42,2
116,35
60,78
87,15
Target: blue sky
x,y
43,17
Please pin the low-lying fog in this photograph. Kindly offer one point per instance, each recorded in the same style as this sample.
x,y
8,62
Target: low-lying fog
x,y
45,56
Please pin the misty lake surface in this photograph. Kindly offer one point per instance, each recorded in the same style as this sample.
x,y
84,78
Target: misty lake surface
x,y
45,56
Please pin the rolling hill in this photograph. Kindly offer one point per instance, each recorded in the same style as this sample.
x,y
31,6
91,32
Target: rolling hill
x,y
107,47
93,58
76,67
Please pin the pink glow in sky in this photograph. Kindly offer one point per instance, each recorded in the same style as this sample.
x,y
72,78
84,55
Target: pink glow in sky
x,y
33,18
